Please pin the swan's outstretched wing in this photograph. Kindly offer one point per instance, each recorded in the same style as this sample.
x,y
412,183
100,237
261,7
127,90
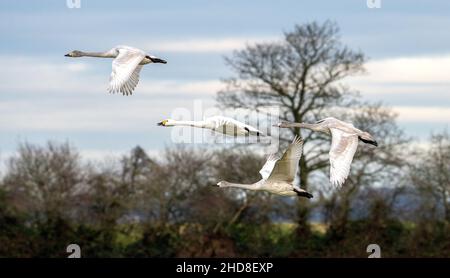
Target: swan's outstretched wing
x,y
268,166
343,147
232,127
286,167
125,70
132,82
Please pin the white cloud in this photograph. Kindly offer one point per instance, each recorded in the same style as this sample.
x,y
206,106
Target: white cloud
x,y
406,74
420,114
27,73
120,114
384,90
431,69
419,87
203,44
206,87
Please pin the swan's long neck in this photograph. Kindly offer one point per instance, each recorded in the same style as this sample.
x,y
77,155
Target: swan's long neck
x,y
107,54
304,125
190,123
253,186
314,127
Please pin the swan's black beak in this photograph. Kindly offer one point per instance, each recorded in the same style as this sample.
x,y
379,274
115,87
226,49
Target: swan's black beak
x,y
162,123
67,55
157,60
304,194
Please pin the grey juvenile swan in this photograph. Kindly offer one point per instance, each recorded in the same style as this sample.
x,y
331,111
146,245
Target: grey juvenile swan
x,y
344,141
126,66
278,173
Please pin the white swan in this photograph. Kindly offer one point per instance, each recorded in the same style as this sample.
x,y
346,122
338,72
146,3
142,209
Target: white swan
x,y
278,174
219,124
126,66
344,141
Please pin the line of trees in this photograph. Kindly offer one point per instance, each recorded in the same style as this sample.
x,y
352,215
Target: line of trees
x,y
142,206
139,206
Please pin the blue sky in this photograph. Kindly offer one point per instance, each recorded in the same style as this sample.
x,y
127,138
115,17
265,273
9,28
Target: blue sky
x,y
46,96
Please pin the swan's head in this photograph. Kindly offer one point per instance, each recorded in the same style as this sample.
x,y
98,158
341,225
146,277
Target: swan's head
x,y
74,53
222,184
168,122
368,139
284,124
154,59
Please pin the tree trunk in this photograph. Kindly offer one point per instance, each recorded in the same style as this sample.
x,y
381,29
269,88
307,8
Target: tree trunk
x,y
446,207
303,208
341,225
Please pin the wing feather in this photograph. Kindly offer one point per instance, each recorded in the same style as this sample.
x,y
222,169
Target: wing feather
x,y
125,70
134,79
285,168
268,166
343,148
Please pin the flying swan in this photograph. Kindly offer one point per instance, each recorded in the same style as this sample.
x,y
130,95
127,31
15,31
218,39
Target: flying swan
x,y
219,124
344,141
278,174
126,66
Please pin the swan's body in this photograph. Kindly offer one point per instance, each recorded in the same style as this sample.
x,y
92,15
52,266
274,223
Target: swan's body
x,y
344,142
126,66
219,124
278,173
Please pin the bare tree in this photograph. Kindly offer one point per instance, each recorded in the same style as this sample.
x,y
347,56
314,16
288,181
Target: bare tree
x,y
44,180
431,174
301,75
175,176
136,168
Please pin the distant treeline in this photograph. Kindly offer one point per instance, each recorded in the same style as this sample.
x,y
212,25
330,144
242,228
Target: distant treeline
x,y
138,206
